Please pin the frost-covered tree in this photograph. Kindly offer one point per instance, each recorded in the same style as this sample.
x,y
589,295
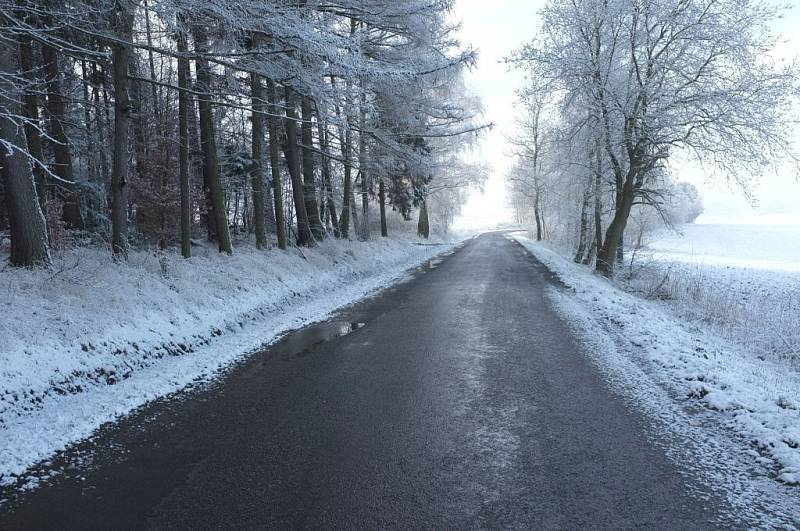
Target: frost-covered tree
x,y
132,110
652,77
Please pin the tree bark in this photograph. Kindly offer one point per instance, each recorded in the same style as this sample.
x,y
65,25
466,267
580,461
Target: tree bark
x,y
598,201
183,155
100,129
30,109
322,131
590,253
56,114
362,163
275,165
256,175
152,64
208,143
382,200
423,225
583,238
92,174
304,234
354,211
347,192
309,185
28,229
537,214
120,58
607,255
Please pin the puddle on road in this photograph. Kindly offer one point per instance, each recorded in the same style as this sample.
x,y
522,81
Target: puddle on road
x,y
301,342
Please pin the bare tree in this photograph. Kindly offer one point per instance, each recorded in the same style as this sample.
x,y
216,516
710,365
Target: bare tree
x,y
657,77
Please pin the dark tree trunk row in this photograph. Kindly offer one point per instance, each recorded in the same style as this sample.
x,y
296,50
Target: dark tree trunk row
x,y
330,204
28,229
305,236
208,142
256,174
275,165
309,185
30,108
183,154
120,57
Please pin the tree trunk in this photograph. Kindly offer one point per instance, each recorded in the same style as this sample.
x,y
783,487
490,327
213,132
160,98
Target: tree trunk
x,y
344,219
304,234
196,165
235,221
120,58
354,211
208,143
598,202
183,155
100,129
152,64
362,163
269,210
423,226
56,114
322,131
382,199
92,174
256,175
309,185
275,165
28,229
583,238
590,253
608,253
537,216
30,109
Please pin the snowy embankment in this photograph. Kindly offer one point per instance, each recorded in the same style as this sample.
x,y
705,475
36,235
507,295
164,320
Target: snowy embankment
x,y
88,340
731,416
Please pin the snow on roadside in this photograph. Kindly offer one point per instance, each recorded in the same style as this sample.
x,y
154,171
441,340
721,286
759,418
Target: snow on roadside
x,y
746,433
88,340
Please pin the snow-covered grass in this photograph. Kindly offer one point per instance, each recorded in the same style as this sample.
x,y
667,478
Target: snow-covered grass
x,y
89,340
742,282
731,416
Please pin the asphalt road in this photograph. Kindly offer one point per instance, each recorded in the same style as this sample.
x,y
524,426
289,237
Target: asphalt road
x,y
456,400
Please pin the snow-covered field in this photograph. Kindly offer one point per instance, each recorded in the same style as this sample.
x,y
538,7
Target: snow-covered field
x,y
742,282
725,413
89,340
756,247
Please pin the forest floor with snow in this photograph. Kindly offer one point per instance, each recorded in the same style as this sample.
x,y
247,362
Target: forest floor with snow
x,y
88,340
706,349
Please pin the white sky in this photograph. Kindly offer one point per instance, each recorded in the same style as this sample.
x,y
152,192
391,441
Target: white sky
x,y
497,27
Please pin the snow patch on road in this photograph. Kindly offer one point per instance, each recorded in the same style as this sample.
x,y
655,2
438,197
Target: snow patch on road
x,y
729,416
89,340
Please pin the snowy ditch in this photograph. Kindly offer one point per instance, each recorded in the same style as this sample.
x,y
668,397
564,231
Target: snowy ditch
x,y
722,413
88,341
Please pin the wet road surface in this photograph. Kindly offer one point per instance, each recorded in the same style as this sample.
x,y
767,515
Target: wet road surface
x,y
456,400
